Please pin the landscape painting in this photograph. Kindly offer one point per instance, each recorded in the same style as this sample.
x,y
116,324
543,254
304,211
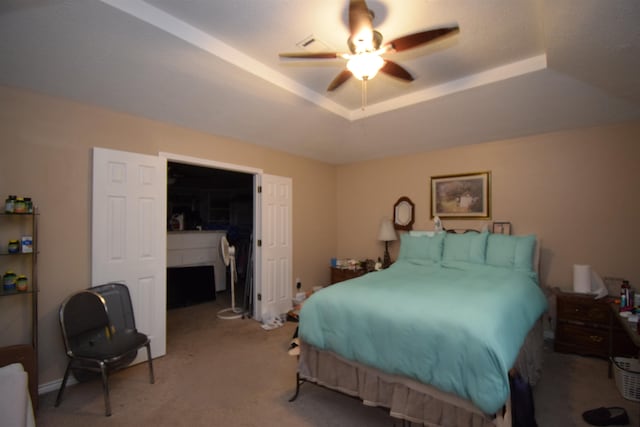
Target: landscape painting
x,y
461,196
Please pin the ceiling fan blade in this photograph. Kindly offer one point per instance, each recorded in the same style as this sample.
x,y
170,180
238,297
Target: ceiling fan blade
x,y
360,26
311,55
395,70
417,39
340,78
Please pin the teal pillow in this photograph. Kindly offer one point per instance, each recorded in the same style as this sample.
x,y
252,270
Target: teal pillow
x,y
513,252
421,249
467,247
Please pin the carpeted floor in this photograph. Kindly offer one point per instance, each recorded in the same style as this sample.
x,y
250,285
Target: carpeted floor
x,y
234,373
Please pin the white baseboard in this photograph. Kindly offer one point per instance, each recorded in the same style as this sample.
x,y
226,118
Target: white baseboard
x,y
55,385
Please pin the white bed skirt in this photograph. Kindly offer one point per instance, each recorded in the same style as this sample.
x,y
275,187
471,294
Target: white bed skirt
x,y
408,399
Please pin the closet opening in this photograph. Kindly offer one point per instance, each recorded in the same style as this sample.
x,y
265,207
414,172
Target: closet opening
x,y
205,204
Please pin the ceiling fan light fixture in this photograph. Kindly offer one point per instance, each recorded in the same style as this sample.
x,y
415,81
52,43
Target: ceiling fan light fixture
x,y
364,59
365,66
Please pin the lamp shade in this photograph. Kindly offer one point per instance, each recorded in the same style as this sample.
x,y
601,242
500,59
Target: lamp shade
x,y
387,233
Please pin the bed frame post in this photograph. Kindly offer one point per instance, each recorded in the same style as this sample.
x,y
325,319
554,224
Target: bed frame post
x,y
299,382
504,419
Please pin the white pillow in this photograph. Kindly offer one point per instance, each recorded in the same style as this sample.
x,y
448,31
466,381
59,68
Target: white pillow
x,y
418,233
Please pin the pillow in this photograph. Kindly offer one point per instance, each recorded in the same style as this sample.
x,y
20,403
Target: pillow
x,y
421,249
467,247
421,233
514,252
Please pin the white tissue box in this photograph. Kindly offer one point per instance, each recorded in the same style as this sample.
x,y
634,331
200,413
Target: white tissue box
x,y
26,244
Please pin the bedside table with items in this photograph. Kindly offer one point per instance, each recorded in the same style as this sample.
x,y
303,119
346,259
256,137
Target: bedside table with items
x,y
586,326
342,274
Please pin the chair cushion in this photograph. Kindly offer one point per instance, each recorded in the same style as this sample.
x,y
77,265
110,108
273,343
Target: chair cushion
x,y
102,347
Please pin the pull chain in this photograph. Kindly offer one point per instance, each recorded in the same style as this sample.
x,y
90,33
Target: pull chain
x,y
364,92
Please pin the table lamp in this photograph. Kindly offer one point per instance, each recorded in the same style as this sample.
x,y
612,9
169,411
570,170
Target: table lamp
x,y
386,234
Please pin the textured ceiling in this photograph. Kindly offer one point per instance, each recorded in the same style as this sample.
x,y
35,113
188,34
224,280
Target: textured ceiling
x,y
516,68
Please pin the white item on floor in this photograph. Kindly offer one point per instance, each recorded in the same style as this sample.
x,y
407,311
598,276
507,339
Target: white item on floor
x,y
294,347
273,323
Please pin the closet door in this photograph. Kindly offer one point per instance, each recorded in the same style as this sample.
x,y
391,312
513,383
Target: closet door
x,y
128,238
275,287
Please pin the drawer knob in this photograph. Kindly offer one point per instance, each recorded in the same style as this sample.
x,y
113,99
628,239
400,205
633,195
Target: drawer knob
x,y
595,338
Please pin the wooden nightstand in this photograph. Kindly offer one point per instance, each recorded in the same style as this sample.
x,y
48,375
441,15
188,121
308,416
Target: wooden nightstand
x,y
342,274
584,327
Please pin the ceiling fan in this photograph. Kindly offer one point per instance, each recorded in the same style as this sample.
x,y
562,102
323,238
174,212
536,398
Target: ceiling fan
x,y
366,49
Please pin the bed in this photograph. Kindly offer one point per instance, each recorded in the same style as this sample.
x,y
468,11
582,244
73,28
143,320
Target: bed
x,y
434,336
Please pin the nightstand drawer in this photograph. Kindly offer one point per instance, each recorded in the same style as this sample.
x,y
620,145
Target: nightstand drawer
x,y
586,310
572,338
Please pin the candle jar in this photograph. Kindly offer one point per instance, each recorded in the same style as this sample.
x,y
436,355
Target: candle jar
x,y
13,247
19,206
9,281
21,283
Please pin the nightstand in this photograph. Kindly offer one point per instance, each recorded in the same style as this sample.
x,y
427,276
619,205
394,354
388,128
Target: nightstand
x,y
342,274
584,326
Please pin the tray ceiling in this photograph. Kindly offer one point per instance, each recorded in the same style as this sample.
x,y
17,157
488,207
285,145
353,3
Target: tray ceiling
x,y
516,68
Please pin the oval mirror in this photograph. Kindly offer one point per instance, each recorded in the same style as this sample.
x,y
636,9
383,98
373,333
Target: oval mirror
x,y
403,214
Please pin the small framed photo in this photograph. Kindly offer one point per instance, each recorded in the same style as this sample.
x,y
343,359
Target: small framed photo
x,y
461,196
501,227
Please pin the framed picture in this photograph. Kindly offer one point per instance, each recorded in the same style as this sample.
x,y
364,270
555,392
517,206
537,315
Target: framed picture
x,y
461,196
501,227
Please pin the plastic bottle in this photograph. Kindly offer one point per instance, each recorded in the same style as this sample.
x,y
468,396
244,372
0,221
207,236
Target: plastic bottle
x,y
9,204
29,204
624,296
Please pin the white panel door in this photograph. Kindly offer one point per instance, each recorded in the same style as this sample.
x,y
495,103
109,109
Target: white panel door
x,y
129,235
274,289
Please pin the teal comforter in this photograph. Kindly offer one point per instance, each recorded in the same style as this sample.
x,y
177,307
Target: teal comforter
x,y
458,329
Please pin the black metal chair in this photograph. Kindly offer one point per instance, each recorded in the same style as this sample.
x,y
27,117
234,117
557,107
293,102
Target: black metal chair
x,y
99,333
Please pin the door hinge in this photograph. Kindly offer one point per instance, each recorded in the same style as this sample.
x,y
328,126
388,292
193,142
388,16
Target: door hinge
x,y
259,189
259,243
259,297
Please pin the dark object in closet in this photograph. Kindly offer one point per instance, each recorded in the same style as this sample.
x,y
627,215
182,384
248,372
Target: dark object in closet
x,y
190,285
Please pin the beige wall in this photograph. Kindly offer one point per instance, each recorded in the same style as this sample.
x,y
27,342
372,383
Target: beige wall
x,y
578,191
46,154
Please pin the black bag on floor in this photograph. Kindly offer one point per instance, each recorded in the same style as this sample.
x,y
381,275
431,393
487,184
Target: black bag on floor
x,y
523,412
